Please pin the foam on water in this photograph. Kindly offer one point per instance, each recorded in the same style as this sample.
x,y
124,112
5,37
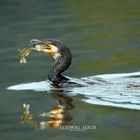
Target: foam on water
x,y
36,86
119,90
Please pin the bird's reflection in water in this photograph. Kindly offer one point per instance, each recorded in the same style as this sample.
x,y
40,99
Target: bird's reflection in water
x,y
56,117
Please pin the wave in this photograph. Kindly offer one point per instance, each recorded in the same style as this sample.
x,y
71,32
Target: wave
x,y
119,90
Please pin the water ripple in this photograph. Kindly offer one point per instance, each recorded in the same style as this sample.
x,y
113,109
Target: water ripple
x,y
119,90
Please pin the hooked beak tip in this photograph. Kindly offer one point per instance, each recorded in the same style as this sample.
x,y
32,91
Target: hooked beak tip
x,y
35,41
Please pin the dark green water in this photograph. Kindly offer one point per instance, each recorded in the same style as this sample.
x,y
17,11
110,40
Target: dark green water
x,y
104,38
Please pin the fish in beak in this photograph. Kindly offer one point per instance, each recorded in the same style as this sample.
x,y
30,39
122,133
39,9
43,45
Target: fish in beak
x,y
38,45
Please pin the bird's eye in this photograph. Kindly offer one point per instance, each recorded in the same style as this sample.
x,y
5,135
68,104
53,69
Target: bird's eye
x,y
53,43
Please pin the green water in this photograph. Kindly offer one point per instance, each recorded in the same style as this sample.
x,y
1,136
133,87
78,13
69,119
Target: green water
x,y
103,37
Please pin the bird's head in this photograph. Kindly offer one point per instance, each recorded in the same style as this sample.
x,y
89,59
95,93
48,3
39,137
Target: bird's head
x,y
51,47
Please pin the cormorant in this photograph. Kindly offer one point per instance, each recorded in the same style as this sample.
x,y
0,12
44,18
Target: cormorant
x,y
62,55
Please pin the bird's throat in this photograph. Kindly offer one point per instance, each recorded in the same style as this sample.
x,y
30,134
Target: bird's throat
x,y
56,55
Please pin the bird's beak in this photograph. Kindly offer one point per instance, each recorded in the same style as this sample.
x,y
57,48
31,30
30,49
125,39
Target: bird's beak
x,y
44,46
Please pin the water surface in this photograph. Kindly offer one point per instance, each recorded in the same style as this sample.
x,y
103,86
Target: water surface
x,y
103,37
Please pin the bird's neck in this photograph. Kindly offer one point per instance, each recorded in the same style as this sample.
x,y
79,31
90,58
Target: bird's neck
x,y
61,64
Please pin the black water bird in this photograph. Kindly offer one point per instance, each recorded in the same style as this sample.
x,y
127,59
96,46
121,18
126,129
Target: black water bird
x,y
63,57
